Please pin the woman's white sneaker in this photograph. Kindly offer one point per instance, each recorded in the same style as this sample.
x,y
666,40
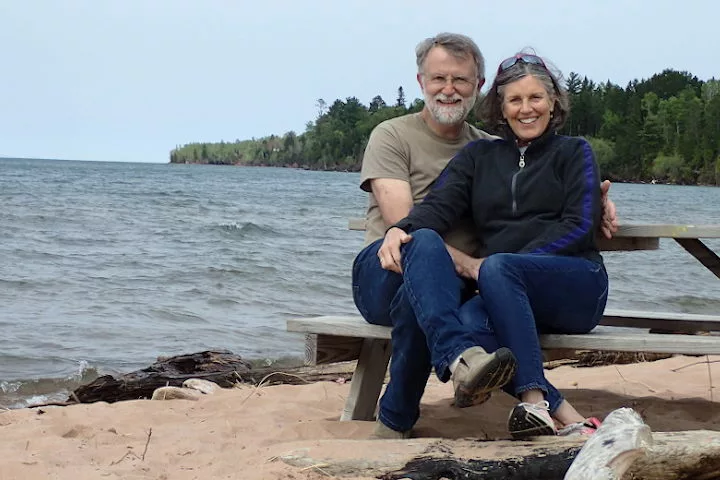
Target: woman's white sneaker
x,y
530,420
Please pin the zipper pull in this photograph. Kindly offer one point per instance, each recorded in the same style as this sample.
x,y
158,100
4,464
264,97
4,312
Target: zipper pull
x,y
522,160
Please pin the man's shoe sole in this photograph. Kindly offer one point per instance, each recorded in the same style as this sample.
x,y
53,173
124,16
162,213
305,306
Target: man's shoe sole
x,y
522,425
495,374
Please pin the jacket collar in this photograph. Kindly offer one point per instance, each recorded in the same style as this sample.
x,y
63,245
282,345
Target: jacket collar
x,y
509,136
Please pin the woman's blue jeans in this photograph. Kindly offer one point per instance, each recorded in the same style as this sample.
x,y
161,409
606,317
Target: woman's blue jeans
x,y
521,296
432,327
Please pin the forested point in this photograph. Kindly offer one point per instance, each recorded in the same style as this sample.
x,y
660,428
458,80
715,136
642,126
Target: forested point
x,y
665,129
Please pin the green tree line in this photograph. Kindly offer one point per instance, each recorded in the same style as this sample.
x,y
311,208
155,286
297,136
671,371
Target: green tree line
x,y
664,129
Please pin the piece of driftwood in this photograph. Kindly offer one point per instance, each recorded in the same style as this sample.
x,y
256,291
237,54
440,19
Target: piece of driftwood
x,y
610,452
589,358
337,372
596,358
219,366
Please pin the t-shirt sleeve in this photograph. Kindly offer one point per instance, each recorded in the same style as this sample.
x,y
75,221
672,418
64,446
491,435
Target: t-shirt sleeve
x,y
385,157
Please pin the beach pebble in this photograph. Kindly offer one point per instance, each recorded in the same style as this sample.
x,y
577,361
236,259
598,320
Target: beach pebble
x,y
171,393
204,386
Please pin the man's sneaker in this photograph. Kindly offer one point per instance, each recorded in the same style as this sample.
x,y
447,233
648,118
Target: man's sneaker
x,y
478,373
530,420
383,432
586,428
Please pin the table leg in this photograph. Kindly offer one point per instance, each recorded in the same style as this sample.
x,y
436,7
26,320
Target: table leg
x,y
367,381
702,253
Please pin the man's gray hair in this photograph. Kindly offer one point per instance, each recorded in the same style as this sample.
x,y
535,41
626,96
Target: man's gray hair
x,y
458,45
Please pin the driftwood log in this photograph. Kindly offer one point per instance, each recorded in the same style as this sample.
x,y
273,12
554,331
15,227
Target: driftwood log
x,y
625,450
693,455
219,366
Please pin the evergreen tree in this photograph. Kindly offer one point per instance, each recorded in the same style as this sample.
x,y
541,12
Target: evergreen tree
x,y
376,104
400,98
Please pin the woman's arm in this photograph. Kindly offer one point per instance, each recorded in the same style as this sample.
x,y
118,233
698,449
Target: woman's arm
x,y
448,200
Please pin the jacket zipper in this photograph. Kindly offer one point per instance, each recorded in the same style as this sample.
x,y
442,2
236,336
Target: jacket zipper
x,y
513,184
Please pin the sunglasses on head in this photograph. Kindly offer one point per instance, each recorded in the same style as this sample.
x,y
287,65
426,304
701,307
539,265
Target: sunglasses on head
x,y
521,57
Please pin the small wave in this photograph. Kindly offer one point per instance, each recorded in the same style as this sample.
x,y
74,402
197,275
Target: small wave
x,y
695,304
279,362
20,393
246,229
177,315
14,283
256,272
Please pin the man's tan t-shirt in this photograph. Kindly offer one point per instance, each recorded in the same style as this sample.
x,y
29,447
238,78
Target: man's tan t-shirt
x,y
404,148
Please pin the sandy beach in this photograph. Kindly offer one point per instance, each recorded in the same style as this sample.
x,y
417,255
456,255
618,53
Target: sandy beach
x,y
255,433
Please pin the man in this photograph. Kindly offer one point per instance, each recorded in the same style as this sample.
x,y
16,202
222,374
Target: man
x,y
403,157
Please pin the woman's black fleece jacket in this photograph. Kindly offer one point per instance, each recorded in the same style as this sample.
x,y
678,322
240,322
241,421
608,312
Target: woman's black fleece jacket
x,y
551,205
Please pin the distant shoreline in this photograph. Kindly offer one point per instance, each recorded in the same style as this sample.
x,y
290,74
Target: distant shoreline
x,y
333,168
340,168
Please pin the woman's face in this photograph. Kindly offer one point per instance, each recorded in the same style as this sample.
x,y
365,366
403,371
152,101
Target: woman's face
x,y
527,107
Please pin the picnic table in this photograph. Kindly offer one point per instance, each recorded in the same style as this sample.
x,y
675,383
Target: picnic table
x,y
331,339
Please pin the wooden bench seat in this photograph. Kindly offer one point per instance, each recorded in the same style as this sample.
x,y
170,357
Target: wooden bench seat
x,y
342,335
340,338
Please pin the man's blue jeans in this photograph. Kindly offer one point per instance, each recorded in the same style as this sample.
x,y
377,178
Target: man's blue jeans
x,y
422,306
432,328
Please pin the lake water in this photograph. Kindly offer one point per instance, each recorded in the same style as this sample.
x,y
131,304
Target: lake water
x,y
105,266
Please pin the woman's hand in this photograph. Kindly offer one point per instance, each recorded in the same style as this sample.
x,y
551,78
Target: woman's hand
x,y
389,253
469,268
465,265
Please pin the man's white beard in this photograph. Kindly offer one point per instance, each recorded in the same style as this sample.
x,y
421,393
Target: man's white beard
x,y
450,114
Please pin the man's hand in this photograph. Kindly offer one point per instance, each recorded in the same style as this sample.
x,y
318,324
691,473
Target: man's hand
x,y
389,253
609,224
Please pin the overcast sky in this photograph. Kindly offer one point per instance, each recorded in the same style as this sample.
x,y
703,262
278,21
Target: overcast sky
x,y
128,80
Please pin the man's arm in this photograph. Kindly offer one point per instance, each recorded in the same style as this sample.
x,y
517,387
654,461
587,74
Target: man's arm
x,y
393,197
609,224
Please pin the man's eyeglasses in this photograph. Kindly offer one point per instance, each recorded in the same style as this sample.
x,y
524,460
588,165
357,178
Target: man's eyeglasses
x,y
521,57
459,83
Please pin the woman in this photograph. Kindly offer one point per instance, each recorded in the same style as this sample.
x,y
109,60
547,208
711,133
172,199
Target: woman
x,y
534,197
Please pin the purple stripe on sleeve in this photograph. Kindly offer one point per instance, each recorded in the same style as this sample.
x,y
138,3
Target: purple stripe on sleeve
x,y
586,222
